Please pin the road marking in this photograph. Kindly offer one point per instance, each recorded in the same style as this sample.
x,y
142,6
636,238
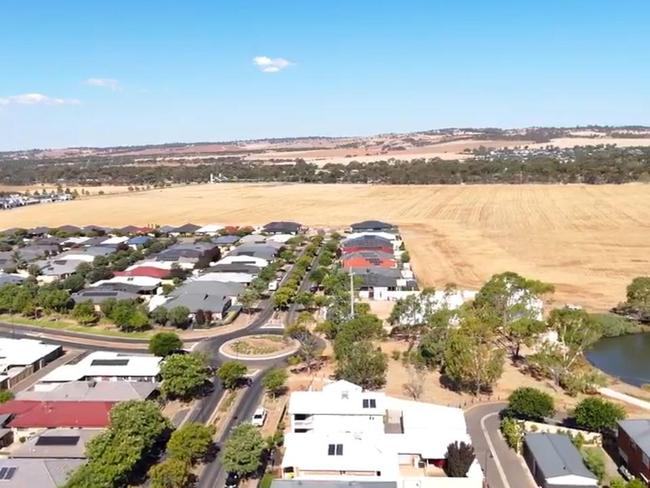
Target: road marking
x,y
502,474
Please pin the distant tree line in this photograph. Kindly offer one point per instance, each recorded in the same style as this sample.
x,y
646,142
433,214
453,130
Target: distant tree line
x,y
607,165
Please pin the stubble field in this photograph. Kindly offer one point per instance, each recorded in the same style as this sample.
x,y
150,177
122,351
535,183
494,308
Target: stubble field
x,y
590,241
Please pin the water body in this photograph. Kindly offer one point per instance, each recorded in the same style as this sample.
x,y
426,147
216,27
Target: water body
x,y
625,357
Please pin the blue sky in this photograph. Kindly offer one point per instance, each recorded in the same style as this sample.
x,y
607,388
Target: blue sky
x,y
88,73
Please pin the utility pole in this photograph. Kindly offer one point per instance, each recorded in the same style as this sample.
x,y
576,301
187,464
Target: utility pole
x,y
351,294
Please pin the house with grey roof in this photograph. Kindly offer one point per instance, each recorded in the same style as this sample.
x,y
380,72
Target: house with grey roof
x,y
226,241
99,294
59,268
216,306
372,225
282,227
10,279
555,462
41,473
91,391
634,446
264,251
61,443
377,283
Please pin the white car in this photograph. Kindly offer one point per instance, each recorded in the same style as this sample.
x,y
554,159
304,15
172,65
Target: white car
x,y
259,417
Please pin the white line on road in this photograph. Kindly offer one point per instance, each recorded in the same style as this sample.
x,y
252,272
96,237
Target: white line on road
x,y
502,474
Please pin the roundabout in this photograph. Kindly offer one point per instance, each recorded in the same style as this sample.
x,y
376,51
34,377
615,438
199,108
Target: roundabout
x,y
259,347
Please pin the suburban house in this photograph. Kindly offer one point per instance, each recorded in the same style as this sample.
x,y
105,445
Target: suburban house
x,y
33,252
7,261
372,226
634,447
98,295
186,229
253,239
216,307
63,443
132,229
384,283
264,251
367,259
343,433
367,243
189,255
105,366
146,271
90,391
41,473
244,259
226,242
69,229
209,230
138,242
28,417
58,269
235,267
141,285
10,279
213,297
227,277
282,228
19,358
555,462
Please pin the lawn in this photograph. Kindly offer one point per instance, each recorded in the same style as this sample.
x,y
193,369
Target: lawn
x,y
99,330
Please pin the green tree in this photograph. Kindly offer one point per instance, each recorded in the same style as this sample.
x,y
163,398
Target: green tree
x,y
522,332
170,473
34,270
84,313
184,375
275,381
178,316
73,283
164,343
305,298
191,442
283,297
638,292
5,396
159,315
242,452
248,297
53,299
530,404
362,364
595,462
231,374
597,414
460,457
471,359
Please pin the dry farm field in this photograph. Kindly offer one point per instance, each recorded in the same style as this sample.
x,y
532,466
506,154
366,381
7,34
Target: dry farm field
x,y
590,241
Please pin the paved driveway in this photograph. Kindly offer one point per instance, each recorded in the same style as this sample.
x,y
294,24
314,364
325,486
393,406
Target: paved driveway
x,y
503,468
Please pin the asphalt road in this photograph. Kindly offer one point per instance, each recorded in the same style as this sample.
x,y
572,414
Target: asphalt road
x,y
501,466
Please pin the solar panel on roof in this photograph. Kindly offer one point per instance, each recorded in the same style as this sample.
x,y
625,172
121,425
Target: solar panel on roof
x,y
109,362
58,440
7,473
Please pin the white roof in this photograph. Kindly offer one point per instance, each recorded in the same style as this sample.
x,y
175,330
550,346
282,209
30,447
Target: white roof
x,y
143,365
22,352
338,398
76,240
384,235
130,280
254,261
152,264
226,277
281,238
360,452
114,240
210,228
71,256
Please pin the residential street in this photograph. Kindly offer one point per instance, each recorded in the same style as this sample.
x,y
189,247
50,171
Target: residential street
x,y
502,467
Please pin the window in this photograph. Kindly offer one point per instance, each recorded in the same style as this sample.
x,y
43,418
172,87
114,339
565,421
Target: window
x,y
335,450
300,416
369,403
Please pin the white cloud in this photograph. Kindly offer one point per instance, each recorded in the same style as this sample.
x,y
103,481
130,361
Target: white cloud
x,y
271,65
110,83
37,99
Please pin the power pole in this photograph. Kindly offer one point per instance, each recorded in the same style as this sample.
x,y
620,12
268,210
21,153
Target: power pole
x,y
351,294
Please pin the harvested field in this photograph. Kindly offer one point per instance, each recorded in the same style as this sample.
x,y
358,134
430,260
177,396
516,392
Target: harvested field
x,y
590,241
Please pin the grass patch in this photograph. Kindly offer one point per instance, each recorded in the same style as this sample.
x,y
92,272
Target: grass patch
x,y
259,345
72,327
227,402
267,479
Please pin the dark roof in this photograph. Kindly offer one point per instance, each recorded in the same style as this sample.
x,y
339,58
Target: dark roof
x,y
187,229
263,251
226,240
367,241
282,227
39,231
233,268
639,431
94,241
100,294
372,225
555,455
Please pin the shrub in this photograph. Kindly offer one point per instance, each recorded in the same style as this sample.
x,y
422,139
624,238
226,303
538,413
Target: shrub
x,y
513,433
595,461
530,404
460,457
597,414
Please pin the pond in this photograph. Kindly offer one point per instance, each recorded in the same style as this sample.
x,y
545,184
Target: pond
x,y
626,357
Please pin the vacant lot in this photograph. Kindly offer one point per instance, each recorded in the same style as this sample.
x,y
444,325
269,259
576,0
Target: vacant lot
x,y
587,240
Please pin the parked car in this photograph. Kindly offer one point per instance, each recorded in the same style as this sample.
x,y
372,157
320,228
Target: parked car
x,y
273,285
259,417
232,480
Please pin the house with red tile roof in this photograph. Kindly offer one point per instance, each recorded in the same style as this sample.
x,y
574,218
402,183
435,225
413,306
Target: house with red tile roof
x,y
149,271
28,414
